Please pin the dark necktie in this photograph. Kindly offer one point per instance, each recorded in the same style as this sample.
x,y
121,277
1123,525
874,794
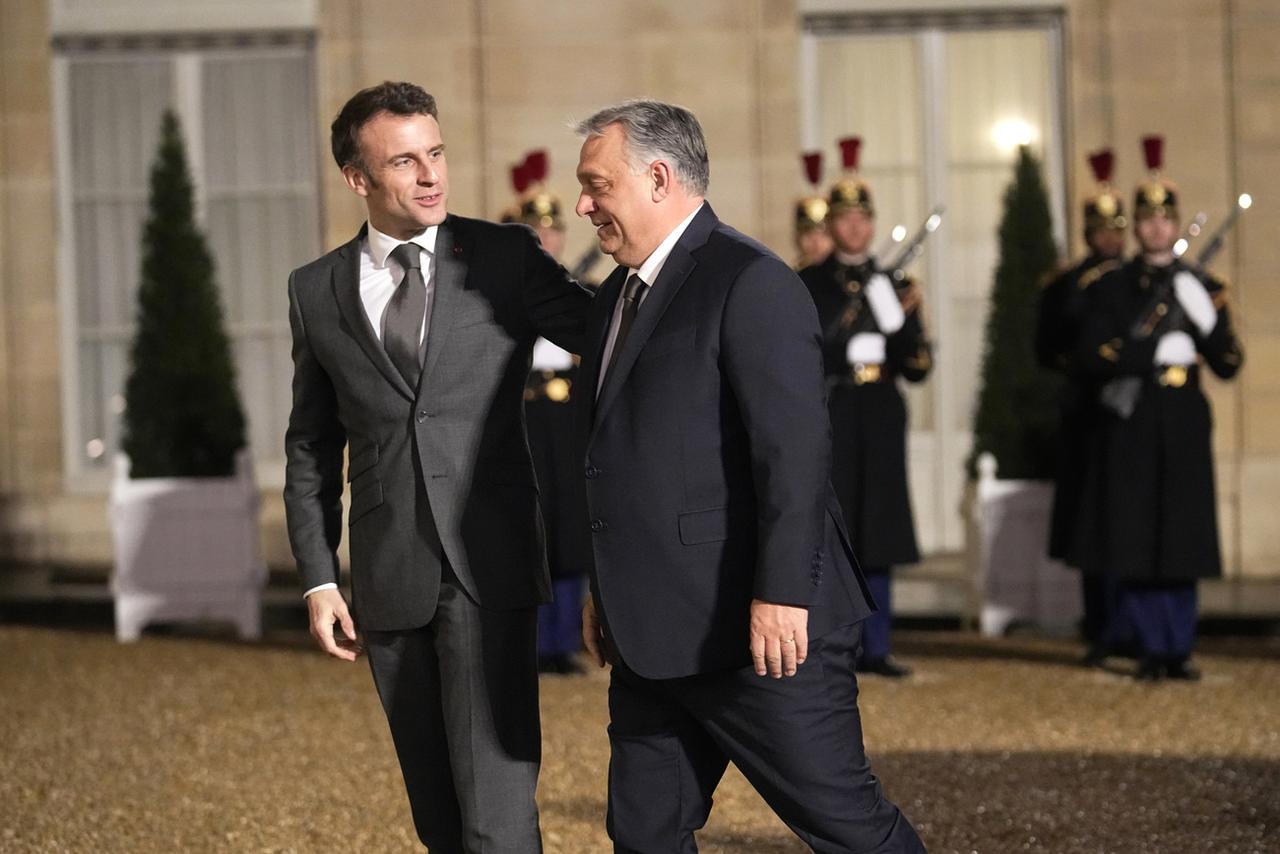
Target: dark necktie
x,y
631,293
402,321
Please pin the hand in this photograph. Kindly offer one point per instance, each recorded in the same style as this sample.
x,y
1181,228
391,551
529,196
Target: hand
x,y
592,634
324,608
779,638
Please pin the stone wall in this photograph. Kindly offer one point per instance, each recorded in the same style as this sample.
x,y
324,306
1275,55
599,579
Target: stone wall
x,y
512,75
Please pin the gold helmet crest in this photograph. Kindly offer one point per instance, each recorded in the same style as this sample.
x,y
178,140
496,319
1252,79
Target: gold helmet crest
x,y
1156,194
811,209
1105,208
850,191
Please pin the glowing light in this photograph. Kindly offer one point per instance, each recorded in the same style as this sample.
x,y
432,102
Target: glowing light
x,y
1011,133
117,404
931,224
899,233
1180,247
95,448
1245,201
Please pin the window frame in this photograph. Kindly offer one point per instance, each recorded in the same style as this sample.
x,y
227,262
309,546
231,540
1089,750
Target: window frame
x,y
186,52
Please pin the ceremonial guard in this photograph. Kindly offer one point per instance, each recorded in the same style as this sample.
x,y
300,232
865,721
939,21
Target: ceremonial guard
x,y
1060,315
549,419
1149,513
873,334
813,243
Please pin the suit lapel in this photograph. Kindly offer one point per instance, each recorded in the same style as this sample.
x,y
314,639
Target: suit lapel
x,y
679,264
346,289
598,322
450,277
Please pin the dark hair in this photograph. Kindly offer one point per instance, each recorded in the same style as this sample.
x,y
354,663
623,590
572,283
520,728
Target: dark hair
x,y
401,99
656,131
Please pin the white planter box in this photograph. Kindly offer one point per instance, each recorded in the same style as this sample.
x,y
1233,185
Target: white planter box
x,y
1017,580
186,549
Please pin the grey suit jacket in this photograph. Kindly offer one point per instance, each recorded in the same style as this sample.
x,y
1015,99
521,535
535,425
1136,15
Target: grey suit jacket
x,y
447,459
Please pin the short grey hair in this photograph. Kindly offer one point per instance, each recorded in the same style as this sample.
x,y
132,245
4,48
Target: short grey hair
x,y
657,131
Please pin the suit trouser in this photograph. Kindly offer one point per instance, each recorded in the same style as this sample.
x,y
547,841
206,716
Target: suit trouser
x,y
461,696
876,629
1163,617
560,620
798,740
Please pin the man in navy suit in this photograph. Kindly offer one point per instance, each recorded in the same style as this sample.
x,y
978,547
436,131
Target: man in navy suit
x,y
724,590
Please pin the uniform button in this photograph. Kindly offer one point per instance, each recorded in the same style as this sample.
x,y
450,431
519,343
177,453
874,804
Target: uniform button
x,y
592,472
598,525
422,415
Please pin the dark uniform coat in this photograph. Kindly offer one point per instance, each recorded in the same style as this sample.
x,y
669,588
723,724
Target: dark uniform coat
x,y
1149,512
1059,316
549,414
869,418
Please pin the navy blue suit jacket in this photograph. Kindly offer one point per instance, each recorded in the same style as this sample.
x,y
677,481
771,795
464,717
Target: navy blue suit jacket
x,y
706,460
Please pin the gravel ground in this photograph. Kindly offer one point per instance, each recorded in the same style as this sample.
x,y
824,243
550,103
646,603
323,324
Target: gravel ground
x,y
192,742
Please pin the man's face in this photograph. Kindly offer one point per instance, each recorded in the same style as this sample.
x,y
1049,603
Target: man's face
x,y
852,231
1106,242
1156,233
405,181
814,245
622,205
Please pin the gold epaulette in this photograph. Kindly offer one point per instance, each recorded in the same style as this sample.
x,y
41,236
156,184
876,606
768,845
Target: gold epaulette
x,y
1218,294
1088,277
1111,350
922,361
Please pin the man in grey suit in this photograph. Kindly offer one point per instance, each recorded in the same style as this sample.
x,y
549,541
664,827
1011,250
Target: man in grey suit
x,y
411,345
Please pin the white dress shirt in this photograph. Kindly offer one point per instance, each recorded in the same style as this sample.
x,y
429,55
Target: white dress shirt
x,y
648,273
380,275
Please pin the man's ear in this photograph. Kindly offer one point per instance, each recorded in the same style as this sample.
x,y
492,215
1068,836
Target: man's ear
x,y
662,178
357,179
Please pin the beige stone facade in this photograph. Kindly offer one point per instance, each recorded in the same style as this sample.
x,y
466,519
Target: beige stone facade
x,y
511,75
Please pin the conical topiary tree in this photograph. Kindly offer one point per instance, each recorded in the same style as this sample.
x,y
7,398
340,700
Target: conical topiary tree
x,y
1017,413
182,414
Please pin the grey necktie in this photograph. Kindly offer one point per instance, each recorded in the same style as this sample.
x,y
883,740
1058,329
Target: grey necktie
x,y
631,294
402,321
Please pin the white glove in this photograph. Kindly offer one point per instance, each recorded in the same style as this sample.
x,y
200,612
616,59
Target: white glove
x,y
1195,301
1175,348
549,357
885,306
865,348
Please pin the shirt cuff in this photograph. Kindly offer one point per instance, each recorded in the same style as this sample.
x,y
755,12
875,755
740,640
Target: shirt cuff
x,y
329,586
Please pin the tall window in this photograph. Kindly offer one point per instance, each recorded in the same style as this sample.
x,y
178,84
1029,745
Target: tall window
x,y
248,117
941,102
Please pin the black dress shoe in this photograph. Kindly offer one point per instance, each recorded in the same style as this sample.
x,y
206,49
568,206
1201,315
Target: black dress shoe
x,y
569,666
1177,668
1150,670
1095,656
884,667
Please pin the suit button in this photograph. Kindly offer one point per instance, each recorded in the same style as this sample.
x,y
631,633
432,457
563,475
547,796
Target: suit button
x,y
592,472
422,415
598,525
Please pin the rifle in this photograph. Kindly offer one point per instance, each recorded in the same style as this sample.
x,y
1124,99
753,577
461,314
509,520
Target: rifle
x,y
1164,311
1243,203
1191,232
913,247
852,313
585,262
